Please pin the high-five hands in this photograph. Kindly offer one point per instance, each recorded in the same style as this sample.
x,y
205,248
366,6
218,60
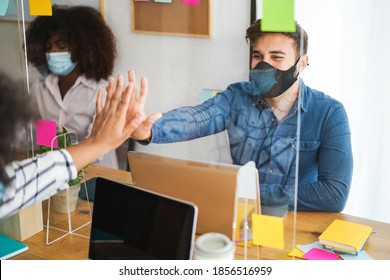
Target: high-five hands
x,y
136,108
121,117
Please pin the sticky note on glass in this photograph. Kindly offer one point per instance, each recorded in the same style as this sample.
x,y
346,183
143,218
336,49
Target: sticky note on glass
x,y
40,7
268,231
3,7
163,1
318,254
45,132
278,16
207,93
190,2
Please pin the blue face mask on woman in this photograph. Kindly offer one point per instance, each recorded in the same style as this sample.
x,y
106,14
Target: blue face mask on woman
x,y
268,81
60,63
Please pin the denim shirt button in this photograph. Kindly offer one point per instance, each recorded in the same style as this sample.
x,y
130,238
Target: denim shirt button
x,y
270,171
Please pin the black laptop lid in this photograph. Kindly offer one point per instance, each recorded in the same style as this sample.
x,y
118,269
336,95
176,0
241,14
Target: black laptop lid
x,y
131,223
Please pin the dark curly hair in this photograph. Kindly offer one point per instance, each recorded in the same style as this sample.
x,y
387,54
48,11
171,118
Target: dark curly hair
x,y
91,41
15,111
254,32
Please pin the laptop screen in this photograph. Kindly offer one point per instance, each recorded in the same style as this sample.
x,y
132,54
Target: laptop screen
x,y
130,223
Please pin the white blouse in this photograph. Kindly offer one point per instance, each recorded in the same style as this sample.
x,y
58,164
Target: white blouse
x,y
76,112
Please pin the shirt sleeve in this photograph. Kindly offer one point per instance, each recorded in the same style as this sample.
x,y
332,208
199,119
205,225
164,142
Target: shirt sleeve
x,y
36,179
192,122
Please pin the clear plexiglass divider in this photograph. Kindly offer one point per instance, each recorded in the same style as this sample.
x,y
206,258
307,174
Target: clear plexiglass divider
x,y
62,206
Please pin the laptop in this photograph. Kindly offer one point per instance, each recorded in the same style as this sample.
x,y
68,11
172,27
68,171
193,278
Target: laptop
x,y
129,223
211,186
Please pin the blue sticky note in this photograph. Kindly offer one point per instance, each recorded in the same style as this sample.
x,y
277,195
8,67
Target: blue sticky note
x,y
163,1
206,94
307,247
278,16
362,255
3,7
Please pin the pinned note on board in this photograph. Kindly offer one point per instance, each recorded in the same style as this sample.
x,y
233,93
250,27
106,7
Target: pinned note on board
x,y
278,16
45,132
40,7
3,7
190,2
163,1
268,231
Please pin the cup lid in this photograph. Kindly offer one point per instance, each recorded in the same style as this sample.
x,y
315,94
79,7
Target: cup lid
x,y
213,243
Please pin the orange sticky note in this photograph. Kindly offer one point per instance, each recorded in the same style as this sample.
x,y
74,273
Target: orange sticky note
x,y
40,7
268,231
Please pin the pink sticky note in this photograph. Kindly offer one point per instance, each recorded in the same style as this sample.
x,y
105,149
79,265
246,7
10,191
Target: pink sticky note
x,y
45,132
190,2
318,254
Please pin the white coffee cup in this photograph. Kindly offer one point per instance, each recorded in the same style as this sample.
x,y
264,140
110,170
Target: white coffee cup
x,y
214,246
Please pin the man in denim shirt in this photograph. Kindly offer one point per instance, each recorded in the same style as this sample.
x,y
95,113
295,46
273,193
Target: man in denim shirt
x,y
260,117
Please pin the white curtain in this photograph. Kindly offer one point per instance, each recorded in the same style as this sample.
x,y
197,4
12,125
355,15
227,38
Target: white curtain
x,y
349,59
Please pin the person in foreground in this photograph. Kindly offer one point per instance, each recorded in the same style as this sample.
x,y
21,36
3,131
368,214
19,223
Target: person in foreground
x,y
260,117
23,183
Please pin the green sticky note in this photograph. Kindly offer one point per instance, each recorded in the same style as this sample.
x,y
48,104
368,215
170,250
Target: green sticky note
x,y
3,7
268,231
278,16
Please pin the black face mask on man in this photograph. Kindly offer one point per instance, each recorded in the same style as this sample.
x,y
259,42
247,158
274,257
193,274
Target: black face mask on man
x,y
269,82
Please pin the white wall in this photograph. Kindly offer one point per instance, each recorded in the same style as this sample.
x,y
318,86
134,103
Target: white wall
x,y
178,67
349,60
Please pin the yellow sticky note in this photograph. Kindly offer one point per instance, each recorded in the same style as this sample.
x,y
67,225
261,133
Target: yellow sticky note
x,y
296,253
40,7
248,244
268,231
278,16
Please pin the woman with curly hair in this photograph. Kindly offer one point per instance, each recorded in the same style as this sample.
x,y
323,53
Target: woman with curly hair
x,y
78,49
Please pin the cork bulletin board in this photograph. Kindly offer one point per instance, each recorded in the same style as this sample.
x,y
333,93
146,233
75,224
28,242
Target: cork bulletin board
x,y
173,18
